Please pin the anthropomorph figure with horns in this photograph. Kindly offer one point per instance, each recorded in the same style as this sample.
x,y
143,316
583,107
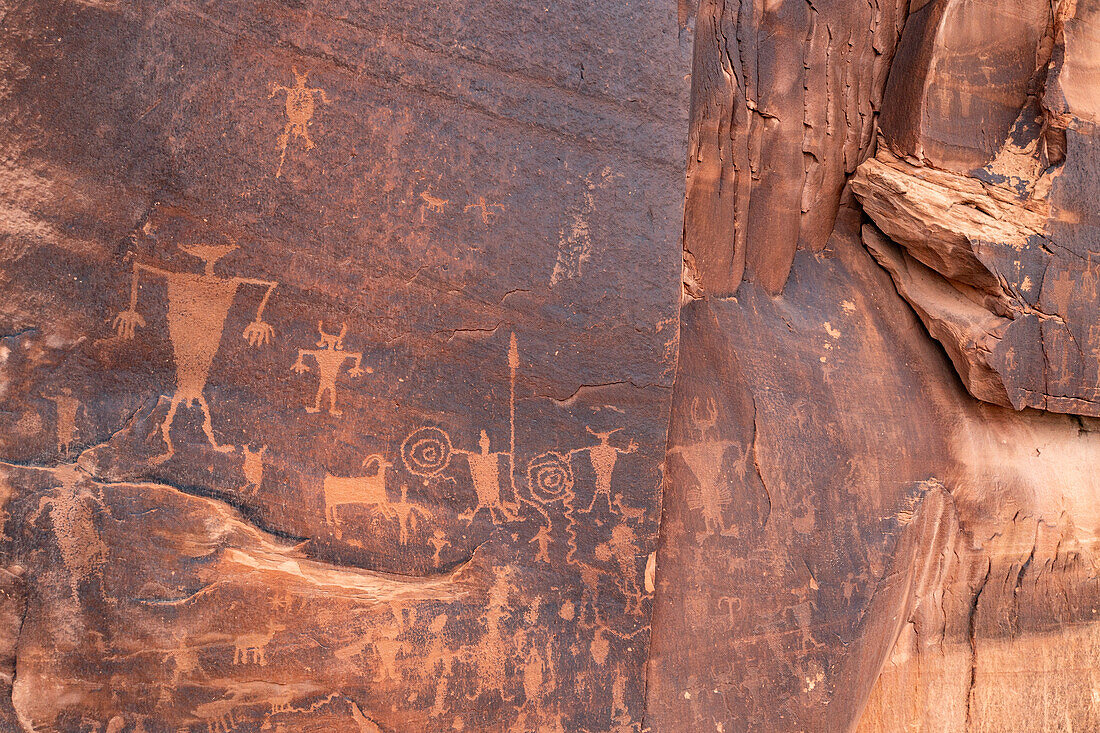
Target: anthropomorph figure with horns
x,y
330,357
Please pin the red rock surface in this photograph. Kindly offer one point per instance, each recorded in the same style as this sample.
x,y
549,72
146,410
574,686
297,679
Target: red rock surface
x,y
656,366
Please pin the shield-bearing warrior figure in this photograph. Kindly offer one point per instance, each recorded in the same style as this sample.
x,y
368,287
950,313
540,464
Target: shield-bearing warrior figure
x,y
485,472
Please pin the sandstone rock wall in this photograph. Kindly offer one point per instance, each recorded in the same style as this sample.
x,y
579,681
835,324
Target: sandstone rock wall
x,y
651,366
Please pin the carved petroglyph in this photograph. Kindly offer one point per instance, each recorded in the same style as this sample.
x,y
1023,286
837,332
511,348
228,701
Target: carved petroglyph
x,y
622,550
550,479
431,203
253,468
219,715
438,542
370,490
426,452
550,476
604,456
733,607
490,655
252,648
574,243
542,541
388,648
485,473
185,661
487,209
440,649
330,358
198,305
71,510
367,489
300,106
67,409
407,515
575,238
709,496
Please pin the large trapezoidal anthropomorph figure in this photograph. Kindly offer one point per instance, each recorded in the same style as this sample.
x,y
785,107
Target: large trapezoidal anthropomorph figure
x,y
198,304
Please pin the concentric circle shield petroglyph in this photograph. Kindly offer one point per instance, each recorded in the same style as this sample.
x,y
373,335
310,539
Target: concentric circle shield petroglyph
x,y
426,451
550,476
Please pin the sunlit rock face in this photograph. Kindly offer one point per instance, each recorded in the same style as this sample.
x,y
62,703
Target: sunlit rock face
x,y
986,178
880,506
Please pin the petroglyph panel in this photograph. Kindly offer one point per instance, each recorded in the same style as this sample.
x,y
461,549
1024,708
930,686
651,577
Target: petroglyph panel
x,y
308,418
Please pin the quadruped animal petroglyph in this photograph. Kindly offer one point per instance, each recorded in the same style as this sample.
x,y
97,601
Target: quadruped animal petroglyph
x,y
198,305
366,489
431,203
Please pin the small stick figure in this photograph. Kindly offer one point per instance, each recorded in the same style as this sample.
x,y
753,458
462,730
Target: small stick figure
x,y
330,358
299,112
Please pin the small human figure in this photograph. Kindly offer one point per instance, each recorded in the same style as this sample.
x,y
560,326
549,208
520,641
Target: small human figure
x,y
198,305
72,509
542,540
438,541
485,472
330,357
622,550
300,106
604,456
253,468
67,408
